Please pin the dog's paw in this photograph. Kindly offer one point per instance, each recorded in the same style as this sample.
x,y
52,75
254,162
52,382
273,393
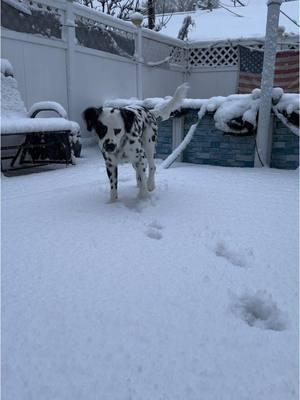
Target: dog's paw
x,y
113,199
151,186
143,195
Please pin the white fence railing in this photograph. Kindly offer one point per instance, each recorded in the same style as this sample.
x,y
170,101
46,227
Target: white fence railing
x,y
70,53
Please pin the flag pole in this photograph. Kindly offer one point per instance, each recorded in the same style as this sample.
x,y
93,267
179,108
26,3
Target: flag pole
x,y
263,138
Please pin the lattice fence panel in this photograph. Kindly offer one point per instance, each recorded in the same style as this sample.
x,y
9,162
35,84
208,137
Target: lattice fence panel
x,y
226,56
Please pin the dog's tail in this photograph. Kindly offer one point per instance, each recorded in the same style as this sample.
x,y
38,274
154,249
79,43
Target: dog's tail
x,y
164,109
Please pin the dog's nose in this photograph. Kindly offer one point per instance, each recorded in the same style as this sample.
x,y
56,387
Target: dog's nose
x,y
109,147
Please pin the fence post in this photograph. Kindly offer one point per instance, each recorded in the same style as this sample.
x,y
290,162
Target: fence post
x,y
69,24
137,19
263,138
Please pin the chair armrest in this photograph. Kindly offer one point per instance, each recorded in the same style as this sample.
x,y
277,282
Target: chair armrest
x,y
47,106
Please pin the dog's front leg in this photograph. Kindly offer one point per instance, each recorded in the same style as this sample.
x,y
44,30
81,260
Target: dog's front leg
x,y
140,167
112,173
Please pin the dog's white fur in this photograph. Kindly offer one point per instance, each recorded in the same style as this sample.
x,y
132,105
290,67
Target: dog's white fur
x,y
129,134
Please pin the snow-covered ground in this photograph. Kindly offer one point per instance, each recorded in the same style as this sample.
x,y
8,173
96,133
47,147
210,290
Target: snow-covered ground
x,y
237,22
190,295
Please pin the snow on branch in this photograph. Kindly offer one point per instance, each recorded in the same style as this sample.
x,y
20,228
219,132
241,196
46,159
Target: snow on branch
x,y
156,63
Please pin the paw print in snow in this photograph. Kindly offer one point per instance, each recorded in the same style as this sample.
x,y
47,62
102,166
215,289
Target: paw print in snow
x,y
237,257
259,310
154,231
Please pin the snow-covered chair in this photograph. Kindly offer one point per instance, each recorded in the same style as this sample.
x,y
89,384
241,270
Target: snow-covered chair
x,y
28,141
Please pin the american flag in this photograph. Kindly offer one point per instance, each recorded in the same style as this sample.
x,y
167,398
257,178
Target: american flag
x,y
286,73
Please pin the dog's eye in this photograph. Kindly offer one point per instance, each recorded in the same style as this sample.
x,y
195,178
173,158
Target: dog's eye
x,y
117,131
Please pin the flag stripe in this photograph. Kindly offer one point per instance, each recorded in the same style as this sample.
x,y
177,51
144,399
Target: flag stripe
x,y
287,62
281,54
286,74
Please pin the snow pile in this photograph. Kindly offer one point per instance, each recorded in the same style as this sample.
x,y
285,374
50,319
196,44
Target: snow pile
x,y
11,103
287,110
6,67
238,113
14,117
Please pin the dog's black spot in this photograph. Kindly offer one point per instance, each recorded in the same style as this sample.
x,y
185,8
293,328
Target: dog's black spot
x,y
131,141
128,118
112,110
144,169
90,116
153,138
109,173
100,129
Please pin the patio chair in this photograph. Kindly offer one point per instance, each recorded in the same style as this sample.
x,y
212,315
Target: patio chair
x,y
28,141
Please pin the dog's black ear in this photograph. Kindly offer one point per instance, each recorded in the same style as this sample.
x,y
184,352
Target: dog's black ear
x,y
128,117
90,116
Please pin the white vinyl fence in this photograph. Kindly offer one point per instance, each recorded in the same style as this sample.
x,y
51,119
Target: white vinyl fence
x,y
66,52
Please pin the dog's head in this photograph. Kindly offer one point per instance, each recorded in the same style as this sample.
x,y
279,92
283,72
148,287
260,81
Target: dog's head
x,y
110,124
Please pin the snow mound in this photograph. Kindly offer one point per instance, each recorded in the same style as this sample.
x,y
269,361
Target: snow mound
x,y
6,67
11,102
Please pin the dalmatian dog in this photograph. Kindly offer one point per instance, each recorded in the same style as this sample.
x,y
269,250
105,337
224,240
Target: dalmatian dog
x,y
128,134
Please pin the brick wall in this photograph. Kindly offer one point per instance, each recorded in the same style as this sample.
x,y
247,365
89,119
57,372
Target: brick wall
x,y
210,146
285,147
164,139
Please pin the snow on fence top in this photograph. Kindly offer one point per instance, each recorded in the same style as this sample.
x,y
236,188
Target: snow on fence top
x,y
236,113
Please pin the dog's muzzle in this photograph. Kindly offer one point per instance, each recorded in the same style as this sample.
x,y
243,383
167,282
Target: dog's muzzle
x,y
109,147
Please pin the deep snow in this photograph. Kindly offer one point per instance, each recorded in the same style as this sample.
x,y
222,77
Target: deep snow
x,y
190,295
249,23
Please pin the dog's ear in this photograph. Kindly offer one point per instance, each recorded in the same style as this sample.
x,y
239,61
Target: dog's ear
x,y
90,116
128,118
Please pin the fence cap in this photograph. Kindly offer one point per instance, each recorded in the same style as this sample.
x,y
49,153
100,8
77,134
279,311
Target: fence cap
x,y
136,18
